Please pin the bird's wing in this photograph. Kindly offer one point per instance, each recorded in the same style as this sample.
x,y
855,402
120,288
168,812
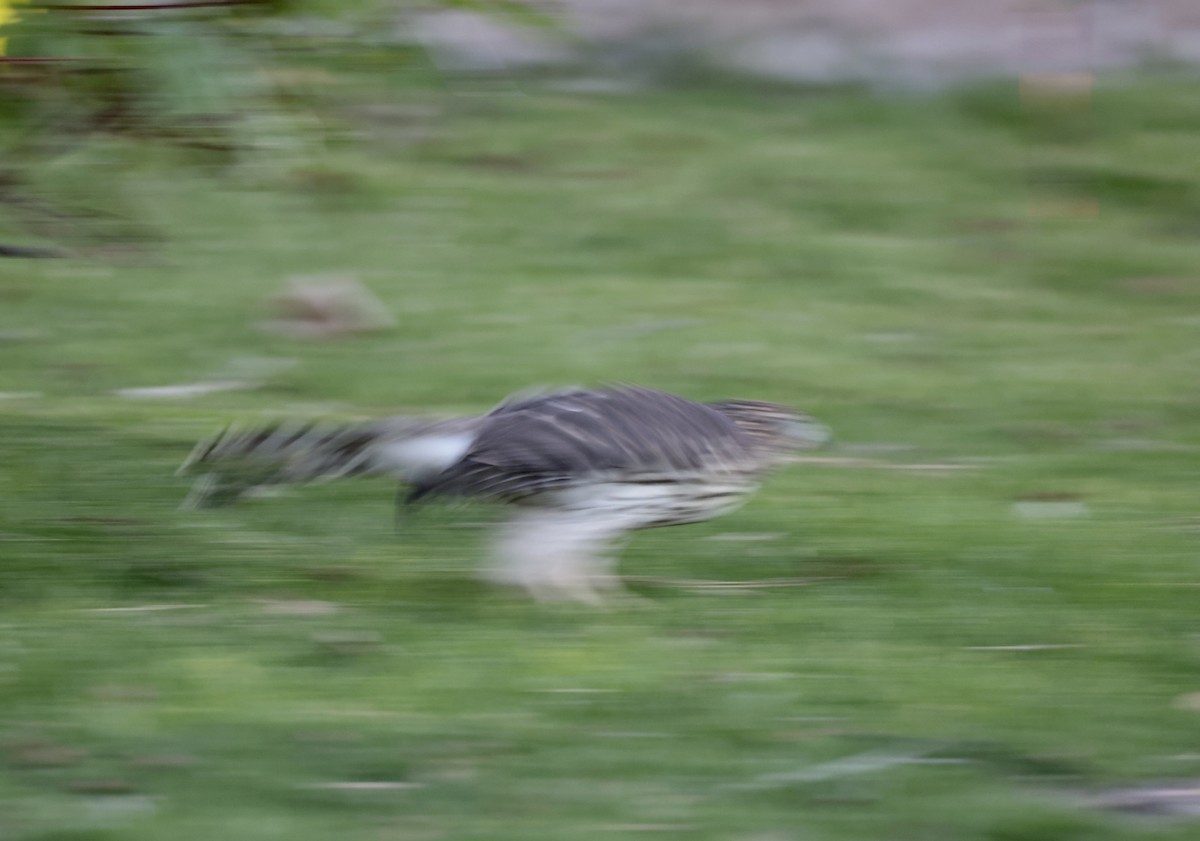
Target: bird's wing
x,y
551,441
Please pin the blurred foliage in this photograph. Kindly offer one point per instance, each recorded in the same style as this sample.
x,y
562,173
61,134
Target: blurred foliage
x,y
188,78
241,84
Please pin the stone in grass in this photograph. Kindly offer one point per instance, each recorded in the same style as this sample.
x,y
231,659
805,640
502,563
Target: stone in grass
x,y
326,306
1049,506
42,754
366,785
184,389
243,373
1188,701
461,40
298,607
102,785
1169,799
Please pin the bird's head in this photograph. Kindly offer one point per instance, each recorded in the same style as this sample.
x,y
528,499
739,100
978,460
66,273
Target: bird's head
x,y
773,426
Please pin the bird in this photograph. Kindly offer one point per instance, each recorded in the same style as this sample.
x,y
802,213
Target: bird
x,y
578,469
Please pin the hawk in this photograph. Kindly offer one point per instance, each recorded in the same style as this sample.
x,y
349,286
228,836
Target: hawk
x,y
578,469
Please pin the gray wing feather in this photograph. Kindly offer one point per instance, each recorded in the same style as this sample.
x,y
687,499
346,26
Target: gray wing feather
x,y
531,445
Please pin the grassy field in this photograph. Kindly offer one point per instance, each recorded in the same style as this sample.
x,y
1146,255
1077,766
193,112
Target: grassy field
x,y
982,606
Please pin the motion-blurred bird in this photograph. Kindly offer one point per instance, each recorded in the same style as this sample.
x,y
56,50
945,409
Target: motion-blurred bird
x,y
579,468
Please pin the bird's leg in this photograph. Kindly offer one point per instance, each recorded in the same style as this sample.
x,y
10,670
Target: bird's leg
x,y
568,581
555,555
546,575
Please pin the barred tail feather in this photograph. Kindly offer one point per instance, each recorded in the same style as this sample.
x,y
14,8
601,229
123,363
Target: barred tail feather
x,y
236,461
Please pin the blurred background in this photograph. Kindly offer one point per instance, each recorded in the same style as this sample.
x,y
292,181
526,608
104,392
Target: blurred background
x,y
963,234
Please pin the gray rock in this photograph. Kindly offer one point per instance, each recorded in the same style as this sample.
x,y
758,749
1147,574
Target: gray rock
x,y
466,41
896,43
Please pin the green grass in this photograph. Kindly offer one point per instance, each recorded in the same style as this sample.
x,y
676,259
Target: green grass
x,y
923,275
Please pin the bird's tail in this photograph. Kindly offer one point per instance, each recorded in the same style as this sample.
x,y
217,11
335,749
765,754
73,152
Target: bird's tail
x,y
237,462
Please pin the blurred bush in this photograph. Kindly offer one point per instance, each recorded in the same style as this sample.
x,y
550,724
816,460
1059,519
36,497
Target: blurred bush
x,y
87,91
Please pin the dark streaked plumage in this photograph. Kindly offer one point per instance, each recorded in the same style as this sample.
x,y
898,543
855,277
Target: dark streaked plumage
x,y
581,468
574,438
